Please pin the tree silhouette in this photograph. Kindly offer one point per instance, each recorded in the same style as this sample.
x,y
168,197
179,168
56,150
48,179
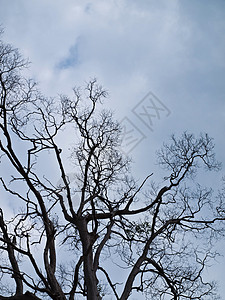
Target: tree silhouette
x,y
66,234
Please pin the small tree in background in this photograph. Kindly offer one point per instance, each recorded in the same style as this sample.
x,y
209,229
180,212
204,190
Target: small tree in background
x,y
65,236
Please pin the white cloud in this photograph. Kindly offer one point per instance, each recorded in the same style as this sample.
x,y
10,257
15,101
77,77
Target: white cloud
x,y
174,48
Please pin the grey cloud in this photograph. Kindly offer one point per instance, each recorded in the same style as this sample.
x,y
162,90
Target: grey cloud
x,y
176,49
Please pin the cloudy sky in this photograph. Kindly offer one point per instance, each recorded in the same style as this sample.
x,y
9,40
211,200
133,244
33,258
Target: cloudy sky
x,y
166,57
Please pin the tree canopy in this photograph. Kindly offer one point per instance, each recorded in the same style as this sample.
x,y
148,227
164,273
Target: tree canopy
x,y
97,232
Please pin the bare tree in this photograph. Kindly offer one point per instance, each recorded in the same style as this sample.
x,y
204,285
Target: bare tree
x,y
66,235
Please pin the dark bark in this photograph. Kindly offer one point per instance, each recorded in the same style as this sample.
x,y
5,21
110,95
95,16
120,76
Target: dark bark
x,y
12,258
91,281
26,296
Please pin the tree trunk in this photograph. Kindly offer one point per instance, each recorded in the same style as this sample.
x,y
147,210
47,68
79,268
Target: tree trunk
x,y
90,278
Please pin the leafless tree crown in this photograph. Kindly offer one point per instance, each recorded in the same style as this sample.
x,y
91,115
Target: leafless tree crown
x,y
79,214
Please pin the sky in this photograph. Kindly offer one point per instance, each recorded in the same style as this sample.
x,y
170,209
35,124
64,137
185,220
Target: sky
x,y
162,63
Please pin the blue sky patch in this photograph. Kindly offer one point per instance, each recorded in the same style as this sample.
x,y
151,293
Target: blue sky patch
x,y
72,59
